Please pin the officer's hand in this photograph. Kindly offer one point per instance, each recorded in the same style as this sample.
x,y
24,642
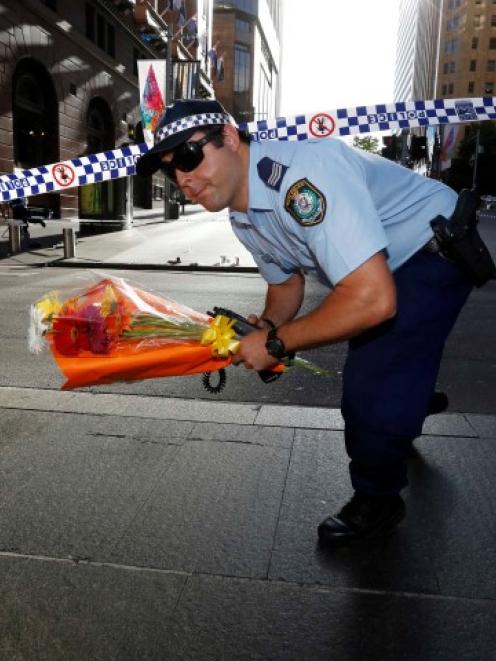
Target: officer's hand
x,y
252,352
258,321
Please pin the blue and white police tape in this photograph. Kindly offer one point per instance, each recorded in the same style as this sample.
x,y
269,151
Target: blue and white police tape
x,y
381,117
111,164
117,163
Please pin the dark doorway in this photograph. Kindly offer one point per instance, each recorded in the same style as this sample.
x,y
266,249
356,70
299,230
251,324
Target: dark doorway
x,y
98,200
35,121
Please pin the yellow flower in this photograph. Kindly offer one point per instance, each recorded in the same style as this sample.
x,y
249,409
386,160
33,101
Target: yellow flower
x,y
109,301
49,305
220,335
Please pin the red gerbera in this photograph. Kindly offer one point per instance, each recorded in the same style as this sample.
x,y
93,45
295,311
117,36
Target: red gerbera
x,y
98,337
81,330
70,333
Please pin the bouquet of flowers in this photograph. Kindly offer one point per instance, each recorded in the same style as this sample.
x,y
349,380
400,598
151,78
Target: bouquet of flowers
x,y
113,331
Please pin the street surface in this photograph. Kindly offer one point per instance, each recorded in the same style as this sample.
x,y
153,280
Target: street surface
x,y
468,372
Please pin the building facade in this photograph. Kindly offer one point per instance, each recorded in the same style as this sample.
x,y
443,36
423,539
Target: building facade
x,y
467,57
245,57
70,87
417,49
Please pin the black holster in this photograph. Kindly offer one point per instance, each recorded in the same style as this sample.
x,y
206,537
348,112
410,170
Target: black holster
x,y
459,240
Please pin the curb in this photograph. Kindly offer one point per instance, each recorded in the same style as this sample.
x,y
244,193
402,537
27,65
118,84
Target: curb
x,y
121,266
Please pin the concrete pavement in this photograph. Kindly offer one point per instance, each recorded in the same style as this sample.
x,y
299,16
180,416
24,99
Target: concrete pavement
x,y
136,527
150,528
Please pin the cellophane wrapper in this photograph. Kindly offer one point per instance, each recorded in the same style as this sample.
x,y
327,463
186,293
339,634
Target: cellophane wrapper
x,y
114,331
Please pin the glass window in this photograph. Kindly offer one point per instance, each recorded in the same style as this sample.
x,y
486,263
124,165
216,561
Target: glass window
x,y
475,42
100,31
493,21
242,68
452,67
451,88
477,21
491,65
244,27
489,88
473,65
451,46
110,40
492,43
249,6
444,90
90,22
263,95
471,87
453,24
446,67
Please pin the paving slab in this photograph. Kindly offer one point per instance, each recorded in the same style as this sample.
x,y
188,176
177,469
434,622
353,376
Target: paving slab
x,y
225,618
318,485
61,611
448,424
274,436
216,512
19,428
65,492
300,416
126,405
484,425
458,511
446,545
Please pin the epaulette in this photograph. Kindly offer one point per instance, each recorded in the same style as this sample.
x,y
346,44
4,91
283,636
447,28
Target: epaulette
x,y
271,172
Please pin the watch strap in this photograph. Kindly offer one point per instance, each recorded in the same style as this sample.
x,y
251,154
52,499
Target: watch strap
x,y
274,345
268,321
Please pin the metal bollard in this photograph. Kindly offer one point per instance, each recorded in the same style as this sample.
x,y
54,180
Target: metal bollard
x,y
14,239
69,242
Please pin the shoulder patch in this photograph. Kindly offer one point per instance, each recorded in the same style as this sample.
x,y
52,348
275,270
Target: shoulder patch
x,y
305,203
271,172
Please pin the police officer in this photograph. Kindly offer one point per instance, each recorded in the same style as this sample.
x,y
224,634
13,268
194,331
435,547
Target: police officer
x,y
360,223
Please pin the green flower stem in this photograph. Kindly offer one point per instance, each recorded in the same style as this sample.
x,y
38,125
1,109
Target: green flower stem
x,y
307,366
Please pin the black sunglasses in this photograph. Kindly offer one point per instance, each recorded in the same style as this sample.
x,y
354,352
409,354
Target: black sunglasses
x,y
189,155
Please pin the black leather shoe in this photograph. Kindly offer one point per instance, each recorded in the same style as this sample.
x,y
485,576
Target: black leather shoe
x,y
439,403
364,517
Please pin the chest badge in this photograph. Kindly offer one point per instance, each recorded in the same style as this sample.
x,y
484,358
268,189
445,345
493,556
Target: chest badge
x,y
305,203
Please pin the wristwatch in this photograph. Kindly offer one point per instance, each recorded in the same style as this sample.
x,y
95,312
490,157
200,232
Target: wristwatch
x,y
275,346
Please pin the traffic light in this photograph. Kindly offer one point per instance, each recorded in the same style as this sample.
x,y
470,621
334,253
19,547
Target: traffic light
x,y
390,147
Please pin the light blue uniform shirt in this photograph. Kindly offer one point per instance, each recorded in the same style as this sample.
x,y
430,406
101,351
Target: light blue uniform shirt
x,y
367,204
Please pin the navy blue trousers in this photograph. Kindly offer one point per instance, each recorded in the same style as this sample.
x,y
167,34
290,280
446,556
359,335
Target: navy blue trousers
x,y
391,371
